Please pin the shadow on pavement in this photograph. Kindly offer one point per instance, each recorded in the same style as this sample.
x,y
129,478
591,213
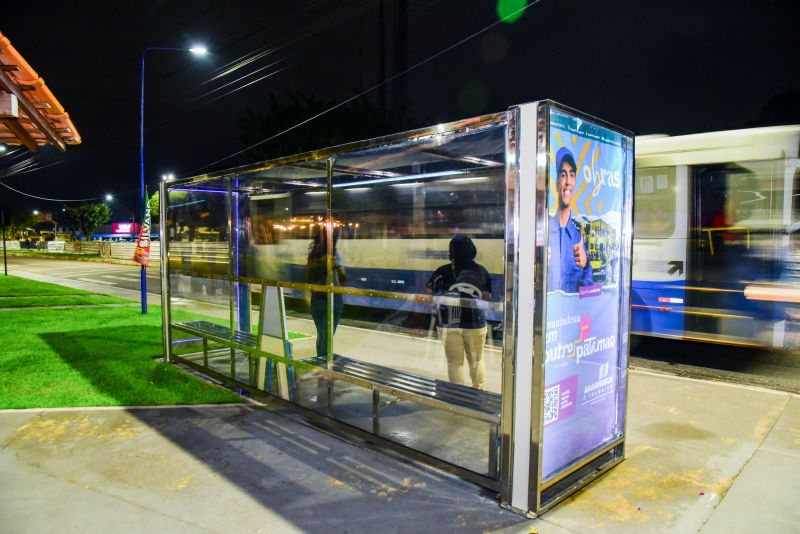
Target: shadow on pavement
x,y
310,479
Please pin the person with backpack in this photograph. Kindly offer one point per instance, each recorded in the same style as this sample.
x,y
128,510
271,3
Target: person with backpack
x,y
317,273
460,322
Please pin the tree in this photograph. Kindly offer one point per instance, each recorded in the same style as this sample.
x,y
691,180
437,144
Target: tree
x,y
87,217
19,223
354,121
154,207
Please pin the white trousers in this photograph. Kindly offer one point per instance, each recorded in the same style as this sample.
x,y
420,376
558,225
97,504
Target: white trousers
x,y
460,343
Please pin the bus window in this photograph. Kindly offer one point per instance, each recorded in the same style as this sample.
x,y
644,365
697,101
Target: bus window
x,y
654,213
745,195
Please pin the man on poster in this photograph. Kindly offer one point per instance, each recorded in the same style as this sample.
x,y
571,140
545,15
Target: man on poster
x,y
568,265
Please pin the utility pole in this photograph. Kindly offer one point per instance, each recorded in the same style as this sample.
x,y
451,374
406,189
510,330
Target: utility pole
x,y
382,60
3,223
399,113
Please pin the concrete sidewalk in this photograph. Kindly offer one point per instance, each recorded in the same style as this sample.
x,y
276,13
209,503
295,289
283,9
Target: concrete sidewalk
x,y
701,456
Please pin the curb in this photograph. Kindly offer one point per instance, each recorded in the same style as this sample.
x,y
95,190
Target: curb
x,y
91,259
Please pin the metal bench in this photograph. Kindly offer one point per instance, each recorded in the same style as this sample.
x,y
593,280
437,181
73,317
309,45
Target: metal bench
x,y
480,404
456,398
219,333
208,331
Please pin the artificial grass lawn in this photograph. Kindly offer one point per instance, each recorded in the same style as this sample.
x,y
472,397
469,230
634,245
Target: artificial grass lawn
x,y
22,293
59,300
89,357
12,286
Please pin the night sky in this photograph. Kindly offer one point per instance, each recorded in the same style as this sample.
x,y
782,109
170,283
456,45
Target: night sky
x,y
652,67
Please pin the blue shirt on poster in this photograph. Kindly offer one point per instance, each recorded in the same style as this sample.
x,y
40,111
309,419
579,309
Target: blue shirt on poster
x,y
562,271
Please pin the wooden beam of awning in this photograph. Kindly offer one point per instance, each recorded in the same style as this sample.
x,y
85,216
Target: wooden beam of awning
x,y
21,133
30,110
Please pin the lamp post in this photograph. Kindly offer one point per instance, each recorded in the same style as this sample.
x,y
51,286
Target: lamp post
x,y
197,51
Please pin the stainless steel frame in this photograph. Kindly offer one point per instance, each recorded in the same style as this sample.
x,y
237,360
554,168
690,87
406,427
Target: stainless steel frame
x,y
545,494
316,155
165,300
510,319
517,447
540,306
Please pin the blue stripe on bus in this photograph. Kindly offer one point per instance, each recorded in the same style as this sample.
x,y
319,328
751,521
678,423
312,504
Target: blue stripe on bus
x,y
398,281
649,316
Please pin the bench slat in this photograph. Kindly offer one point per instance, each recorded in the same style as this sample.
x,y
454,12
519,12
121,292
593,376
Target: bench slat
x,y
207,329
429,387
475,399
463,396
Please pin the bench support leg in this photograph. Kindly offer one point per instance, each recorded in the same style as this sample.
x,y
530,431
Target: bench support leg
x,y
233,362
205,353
376,415
493,450
329,383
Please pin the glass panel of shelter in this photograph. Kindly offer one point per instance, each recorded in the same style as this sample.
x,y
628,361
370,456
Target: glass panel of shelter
x,y
369,287
396,211
286,213
199,263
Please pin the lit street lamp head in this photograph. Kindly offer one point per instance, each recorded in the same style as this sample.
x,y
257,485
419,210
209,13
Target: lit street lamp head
x,y
109,198
197,51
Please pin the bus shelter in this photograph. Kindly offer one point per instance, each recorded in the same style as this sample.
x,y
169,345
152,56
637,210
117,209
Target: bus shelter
x,y
458,293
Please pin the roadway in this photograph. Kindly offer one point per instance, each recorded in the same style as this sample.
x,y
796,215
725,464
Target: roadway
x,y
120,277
759,367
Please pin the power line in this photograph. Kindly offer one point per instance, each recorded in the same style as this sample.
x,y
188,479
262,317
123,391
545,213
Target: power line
x,y
50,199
234,65
376,86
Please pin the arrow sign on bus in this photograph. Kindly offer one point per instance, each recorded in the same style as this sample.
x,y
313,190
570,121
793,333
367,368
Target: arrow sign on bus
x,y
676,266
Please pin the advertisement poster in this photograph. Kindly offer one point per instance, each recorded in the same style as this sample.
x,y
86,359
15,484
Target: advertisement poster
x,y
589,169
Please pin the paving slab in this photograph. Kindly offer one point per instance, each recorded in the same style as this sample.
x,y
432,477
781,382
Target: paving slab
x,y
710,417
13,419
762,499
784,438
218,469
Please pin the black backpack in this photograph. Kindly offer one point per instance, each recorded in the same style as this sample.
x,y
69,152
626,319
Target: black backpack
x,y
466,287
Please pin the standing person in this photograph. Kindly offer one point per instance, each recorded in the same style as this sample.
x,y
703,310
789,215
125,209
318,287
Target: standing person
x,y
568,265
462,329
317,273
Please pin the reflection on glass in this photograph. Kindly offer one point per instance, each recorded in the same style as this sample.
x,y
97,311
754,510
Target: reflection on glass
x,y
317,273
461,324
407,262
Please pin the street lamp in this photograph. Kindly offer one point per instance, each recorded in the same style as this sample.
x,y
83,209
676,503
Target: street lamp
x,y
167,177
195,50
109,198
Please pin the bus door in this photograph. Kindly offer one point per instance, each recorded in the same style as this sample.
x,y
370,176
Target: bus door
x,y
735,241
659,251
787,320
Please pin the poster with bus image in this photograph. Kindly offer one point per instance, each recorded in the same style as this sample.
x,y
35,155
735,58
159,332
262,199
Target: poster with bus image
x,y
590,167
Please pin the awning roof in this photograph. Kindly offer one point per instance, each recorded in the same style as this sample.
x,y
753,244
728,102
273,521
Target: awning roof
x,y
42,120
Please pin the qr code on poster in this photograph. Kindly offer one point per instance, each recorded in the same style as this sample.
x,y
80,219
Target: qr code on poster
x,y
551,396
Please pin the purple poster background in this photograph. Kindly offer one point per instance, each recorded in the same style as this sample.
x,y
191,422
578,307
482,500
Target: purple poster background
x,y
582,325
